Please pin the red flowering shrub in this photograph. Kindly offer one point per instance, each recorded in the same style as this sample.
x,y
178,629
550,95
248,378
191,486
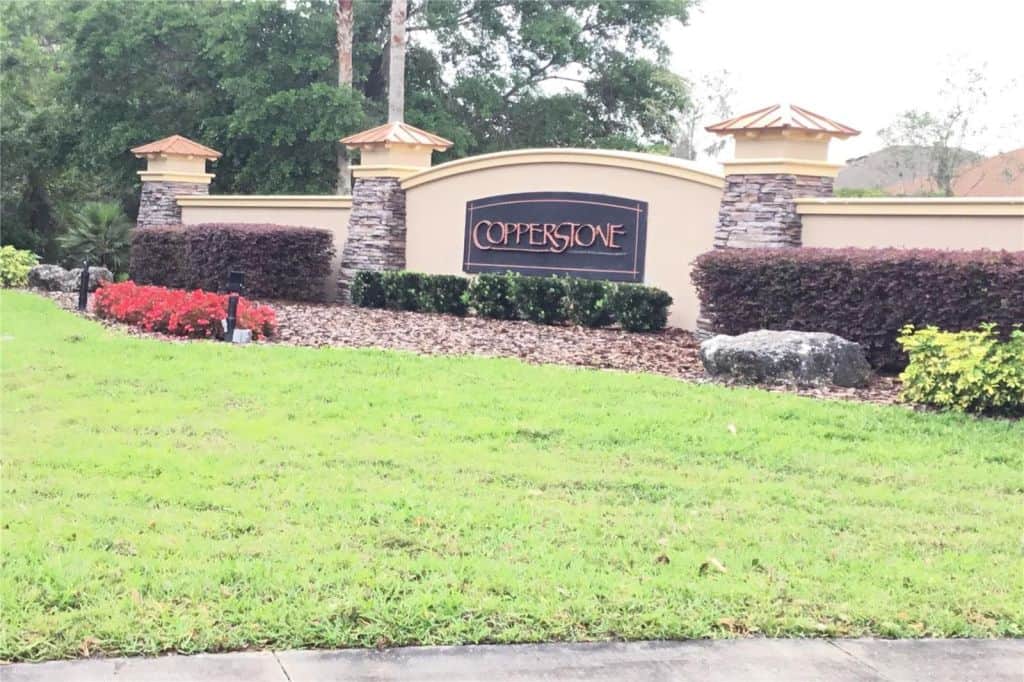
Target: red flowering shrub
x,y
181,313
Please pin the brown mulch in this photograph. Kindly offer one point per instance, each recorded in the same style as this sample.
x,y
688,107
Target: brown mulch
x,y
670,353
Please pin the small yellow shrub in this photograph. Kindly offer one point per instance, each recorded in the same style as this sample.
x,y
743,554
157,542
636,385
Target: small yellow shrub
x,y
969,371
14,266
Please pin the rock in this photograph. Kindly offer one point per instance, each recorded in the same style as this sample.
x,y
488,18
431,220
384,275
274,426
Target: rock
x,y
50,278
96,274
786,356
56,278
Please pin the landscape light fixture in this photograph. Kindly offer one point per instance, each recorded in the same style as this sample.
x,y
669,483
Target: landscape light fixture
x,y
236,281
83,285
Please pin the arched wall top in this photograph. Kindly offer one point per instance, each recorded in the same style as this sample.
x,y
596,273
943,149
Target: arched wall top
x,y
648,163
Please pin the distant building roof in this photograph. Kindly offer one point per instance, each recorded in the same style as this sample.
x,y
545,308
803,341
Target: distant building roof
x,y
397,133
997,176
780,117
176,144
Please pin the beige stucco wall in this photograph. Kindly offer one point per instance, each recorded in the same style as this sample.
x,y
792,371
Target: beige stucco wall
x,y
914,232
794,146
682,208
327,212
914,223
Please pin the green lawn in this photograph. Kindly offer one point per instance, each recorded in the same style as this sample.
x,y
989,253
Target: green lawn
x,y
190,497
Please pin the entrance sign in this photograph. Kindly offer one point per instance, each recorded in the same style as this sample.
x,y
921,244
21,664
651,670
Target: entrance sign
x,y
557,233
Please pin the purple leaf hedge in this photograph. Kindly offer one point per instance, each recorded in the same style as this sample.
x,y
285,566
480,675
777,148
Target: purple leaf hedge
x,y
279,261
864,295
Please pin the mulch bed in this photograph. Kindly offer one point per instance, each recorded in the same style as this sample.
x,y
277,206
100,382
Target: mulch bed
x,y
670,353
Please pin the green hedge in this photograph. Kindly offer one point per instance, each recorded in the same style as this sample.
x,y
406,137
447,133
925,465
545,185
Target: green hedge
x,y
444,294
545,300
638,308
588,303
540,299
412,291
492,296
968,371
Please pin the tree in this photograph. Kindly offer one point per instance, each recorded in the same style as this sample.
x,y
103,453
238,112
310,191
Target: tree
x,y
710,101
101,233
257,81
37,129
343,20
945,133
396,62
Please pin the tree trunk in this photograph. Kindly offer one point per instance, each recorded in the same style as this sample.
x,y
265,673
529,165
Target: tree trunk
x,y
343,21
396,68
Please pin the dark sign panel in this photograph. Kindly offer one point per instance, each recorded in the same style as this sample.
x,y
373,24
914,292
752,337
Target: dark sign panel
x,y
557,233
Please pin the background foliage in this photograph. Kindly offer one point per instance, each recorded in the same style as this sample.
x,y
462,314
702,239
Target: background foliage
x,y
85,80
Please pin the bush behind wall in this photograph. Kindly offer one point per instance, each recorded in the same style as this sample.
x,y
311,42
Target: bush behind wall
x,y
864,295
278,261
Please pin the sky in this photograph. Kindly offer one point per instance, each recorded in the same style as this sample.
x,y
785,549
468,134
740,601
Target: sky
x,y
861,62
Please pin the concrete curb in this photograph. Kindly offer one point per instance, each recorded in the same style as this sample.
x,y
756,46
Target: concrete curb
x,y
851,660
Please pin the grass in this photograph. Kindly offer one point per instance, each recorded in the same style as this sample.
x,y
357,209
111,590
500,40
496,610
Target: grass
x,y
198,497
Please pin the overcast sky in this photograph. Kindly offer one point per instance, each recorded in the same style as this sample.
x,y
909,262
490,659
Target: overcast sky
x,y
861,62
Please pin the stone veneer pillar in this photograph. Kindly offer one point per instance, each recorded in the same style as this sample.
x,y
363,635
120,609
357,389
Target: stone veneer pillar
x,y
158,203
175,166
759,210
781,154
376,226
376,229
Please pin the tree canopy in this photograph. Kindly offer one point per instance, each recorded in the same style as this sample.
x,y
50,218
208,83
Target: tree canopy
x,y
85,80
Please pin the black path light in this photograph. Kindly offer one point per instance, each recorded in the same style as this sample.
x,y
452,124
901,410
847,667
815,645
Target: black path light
x,y
83,285
236,281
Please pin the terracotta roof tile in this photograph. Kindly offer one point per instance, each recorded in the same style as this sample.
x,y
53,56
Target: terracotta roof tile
x,y
998,176
397,133
781,116
176,144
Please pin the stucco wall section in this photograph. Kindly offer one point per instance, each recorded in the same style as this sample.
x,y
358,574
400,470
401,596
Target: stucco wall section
x,y
158,203
758,210
680,222
334,219
914,232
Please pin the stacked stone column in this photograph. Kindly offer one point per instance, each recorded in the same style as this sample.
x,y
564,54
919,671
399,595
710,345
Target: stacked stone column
x,y
376,226
759,210
781,155
376,230
158,204
175,166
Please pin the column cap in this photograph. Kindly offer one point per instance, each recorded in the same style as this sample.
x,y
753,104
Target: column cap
x,y
396,134
782,117
175,145
176,159
394,150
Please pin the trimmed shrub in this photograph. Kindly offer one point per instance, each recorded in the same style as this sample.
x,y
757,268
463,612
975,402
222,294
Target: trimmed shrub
x,y
969,371
588,302
444,294
14,266
279,261
196,313
159,256
864,295
540,299
402,289
640,308
491,295
368,289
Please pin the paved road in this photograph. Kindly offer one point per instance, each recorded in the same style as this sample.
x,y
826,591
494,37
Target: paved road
x,y
748,660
